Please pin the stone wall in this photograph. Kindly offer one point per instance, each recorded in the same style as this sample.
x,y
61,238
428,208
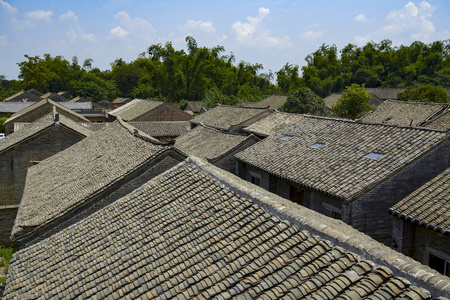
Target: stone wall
x,y
428,241
228,162
7,216
151,171
165,112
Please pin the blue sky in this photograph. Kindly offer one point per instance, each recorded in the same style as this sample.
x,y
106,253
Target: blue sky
x,y
272,33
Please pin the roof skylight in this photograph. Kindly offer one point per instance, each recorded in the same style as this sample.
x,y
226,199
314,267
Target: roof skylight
x,y
286,137
373,155
317,145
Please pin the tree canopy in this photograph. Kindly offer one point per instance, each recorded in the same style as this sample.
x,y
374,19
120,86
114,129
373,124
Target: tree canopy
x,y
354,102
304,101
165,73
424,93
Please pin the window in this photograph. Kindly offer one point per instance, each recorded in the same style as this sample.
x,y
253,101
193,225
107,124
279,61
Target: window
x,y
255,178
373,155
317,145
296,195
439,264
332,212
285,138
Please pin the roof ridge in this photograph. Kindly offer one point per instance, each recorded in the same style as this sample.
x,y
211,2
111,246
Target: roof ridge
x,y
221,130
137,133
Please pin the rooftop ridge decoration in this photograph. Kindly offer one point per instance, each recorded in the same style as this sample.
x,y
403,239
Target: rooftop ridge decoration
x,y
196,231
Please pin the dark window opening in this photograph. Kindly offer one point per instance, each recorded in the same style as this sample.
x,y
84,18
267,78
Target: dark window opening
x,y
331,213
439,264
296,195
256,180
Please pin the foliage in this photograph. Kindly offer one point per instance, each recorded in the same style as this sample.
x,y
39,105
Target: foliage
x,y
424,93
2,127
93,87
5,257
354,102
304,101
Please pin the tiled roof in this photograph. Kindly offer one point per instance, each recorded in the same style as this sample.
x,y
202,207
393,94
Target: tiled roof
x,y
121,100
195,106
13,107
163,128
442,122
339,168
31,129
95,126
196,232
273,102
224,117
134,109
78,99
269,125
35,92
59,107
22,97
331,99
53,96
209,143
402,113
385,93
429,205
67,179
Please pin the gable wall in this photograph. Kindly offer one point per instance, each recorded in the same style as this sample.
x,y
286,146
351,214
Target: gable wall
x,y
7,216
228,162
110,196
165,112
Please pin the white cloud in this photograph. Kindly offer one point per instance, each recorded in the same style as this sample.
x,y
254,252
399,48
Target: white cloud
x,y
411,20
39,15
7,7
77,34
361,18
312,35
254,34
206,26
362,40
69,16
135,27
3,40
118,32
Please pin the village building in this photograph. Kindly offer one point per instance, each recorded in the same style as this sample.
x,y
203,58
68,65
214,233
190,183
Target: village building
x,y
23,96
106,104
165,131
394,112
91,174
35,142
441,122
347,170
334,98
230,118
148,110
198,232
53,96
119,101
38,110
422,224
194,107
7,109
64,94
78,99
35,92
215,146
271,123
273,102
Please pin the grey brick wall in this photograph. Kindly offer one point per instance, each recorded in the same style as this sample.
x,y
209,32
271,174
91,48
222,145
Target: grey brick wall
x,y
7,216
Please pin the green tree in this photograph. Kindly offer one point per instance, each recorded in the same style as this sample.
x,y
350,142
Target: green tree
x,y
424,93
354,102
2,127
305,101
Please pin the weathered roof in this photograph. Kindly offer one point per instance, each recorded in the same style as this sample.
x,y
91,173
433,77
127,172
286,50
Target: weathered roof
x,y
339,168
47,102
224,116
78,99
35,92
163,128
13,107
53,96
70,177
270,124
134,109
95,126
331,99
403,113
22,96
31,129
209,143
121,100
429,205
273,102
385,93
442,122
198,232
195,106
